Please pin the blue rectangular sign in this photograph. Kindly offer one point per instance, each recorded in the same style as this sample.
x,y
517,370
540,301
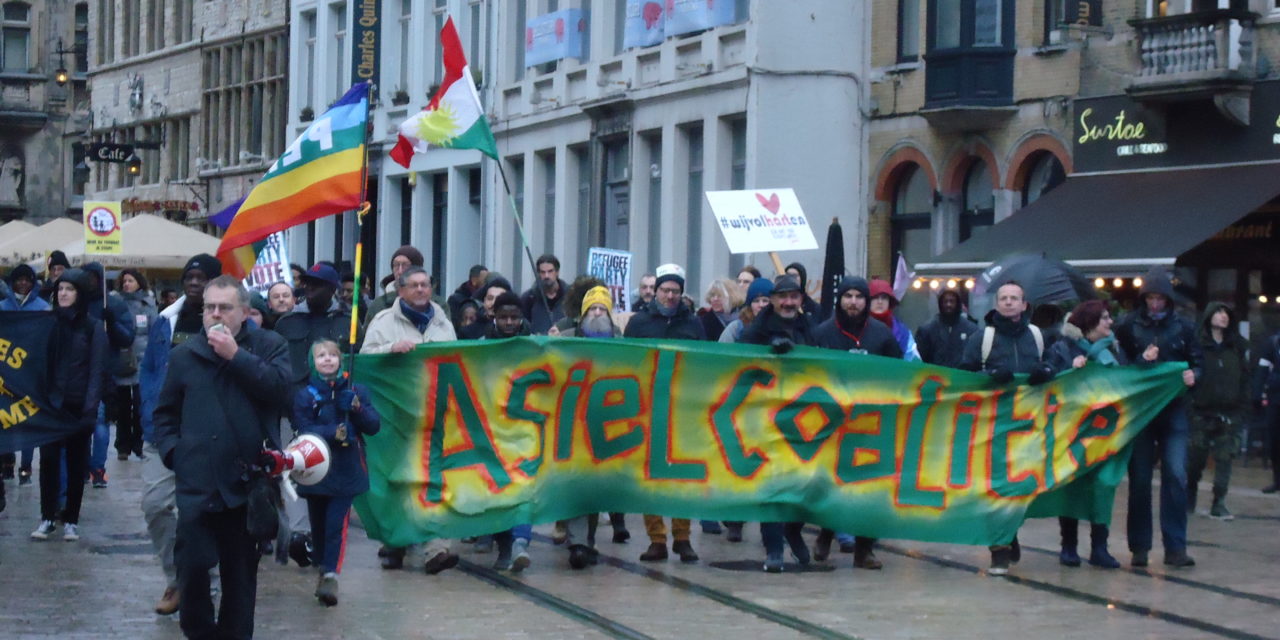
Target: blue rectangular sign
x,y
644,24
553,36
687,16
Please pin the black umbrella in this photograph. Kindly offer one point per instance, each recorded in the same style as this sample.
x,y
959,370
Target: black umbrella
x,y
832,267
1043,279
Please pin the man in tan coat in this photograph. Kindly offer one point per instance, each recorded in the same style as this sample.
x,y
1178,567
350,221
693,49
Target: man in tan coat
x,y
413,319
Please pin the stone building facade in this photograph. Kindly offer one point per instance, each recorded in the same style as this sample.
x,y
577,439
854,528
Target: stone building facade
x,y
612,145
949,157
41,121
199,89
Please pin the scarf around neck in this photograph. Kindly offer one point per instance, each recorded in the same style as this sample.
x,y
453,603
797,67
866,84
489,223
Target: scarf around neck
x,y
420,319
1099,351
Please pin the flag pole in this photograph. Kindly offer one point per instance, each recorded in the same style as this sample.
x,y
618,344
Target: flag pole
x,y
359,253
524,240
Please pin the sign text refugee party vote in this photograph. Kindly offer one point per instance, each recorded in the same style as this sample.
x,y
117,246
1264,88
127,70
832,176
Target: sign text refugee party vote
x,y
761,220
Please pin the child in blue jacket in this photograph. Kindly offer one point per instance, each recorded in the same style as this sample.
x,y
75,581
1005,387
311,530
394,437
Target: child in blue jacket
x,y
339,411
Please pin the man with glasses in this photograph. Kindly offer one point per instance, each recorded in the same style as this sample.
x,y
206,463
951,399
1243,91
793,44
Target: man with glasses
x,y
220,400
174,326
667,318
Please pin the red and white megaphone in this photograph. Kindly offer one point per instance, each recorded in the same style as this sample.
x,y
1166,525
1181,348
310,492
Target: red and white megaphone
x,y
309,455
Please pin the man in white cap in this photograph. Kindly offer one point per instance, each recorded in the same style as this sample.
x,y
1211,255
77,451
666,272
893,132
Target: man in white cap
x,y
667,317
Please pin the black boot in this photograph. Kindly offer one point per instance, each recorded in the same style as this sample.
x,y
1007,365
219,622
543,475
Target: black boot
x,y
392,557
822,546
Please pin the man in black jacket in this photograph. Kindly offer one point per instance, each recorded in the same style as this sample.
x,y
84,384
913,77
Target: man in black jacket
x,y
467,290
849,330
782,325
667,318
544,302
1267,390
1008,345
941,341
1155,333
221,401
1219,405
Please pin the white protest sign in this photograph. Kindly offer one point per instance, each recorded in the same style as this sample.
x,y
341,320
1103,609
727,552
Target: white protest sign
x,y
272,265
761,220
614,267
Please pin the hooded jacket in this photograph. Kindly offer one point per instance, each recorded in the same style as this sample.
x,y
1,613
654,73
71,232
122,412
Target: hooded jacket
x,y
9,300
214,415
1224,386
650,323
79,378
1174,335
316,411
300,328
391,326
941,340
856,334
1013,348
119,324
807,304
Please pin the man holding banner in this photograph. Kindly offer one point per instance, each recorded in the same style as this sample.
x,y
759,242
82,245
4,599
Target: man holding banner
x,y
668,318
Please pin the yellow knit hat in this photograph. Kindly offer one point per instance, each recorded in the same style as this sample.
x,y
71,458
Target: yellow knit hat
x,y
597,295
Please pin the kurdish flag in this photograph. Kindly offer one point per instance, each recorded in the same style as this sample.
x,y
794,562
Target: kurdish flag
x,y
320,174
454,118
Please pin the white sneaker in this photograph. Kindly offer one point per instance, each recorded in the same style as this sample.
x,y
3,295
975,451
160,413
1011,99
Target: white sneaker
x,y
43,531
70,532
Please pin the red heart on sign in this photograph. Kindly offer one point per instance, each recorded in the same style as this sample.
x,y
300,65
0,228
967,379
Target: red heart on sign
x,y
772,203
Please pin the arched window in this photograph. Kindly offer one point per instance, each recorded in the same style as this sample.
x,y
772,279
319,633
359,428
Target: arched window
x,y
1046,174
911,220
979,208
17,37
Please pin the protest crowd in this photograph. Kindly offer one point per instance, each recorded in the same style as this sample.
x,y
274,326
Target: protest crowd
x,y
206,385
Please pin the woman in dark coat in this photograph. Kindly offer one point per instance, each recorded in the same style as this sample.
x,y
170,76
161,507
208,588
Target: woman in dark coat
x,y
339,411
76,384
1086,337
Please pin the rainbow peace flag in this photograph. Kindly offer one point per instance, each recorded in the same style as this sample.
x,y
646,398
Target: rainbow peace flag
x,y
320,174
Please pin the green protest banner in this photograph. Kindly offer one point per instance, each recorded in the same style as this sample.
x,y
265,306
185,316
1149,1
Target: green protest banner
x,y
480,436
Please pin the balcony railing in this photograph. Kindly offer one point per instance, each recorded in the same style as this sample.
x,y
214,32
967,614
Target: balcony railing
x,y
1207,45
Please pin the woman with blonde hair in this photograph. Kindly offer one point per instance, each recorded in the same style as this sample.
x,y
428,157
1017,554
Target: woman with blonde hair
x,y
724,297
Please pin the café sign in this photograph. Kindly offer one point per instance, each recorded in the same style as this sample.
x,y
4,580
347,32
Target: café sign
x,y
109,152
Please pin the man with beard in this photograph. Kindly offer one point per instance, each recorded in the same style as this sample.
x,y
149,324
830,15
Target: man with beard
x,y
1008,345
782,325
318,315
667,318
176,324
941,340
643,295
848,329
544,301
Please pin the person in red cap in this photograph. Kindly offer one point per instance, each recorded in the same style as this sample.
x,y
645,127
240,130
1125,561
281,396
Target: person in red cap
x,y
883,302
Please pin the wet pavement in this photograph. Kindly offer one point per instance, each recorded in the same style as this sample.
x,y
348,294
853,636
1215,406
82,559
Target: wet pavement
x,y
105,586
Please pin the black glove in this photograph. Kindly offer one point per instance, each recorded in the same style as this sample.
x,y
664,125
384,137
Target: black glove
x,y
1041,374
274,462
781,345
167,460
1001,375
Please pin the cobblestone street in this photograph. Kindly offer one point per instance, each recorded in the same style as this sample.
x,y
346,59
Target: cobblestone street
x,y
105,585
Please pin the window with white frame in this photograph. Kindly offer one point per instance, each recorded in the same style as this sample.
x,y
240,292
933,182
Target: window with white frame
x,y
338,30
17,37
307,83
403,24
244,100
